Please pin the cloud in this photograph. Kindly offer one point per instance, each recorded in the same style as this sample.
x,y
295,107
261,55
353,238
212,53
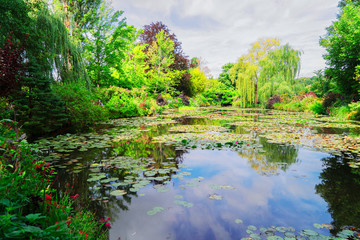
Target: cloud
x,y
221,31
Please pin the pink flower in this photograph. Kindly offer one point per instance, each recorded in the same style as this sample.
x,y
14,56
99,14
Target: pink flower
x,y
108,225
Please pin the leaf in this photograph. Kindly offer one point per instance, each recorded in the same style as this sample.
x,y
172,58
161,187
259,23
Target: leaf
x,y
34,217
238,221
118,193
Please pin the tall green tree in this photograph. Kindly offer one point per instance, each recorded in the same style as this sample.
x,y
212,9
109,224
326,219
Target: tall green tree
x,y
78,15
161,57
105,43
342,43
224,76
181,62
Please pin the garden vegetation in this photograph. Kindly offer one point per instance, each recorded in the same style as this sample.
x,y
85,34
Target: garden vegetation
x,y
68,65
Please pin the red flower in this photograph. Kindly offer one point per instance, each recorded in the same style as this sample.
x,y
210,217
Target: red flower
x,y
75,196
48,197
108,225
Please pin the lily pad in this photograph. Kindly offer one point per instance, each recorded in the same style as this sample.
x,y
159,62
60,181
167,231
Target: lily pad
x,y
117,193
155,210
238,221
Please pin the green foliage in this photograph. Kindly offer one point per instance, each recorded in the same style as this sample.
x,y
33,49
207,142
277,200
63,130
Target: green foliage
x,y
161,57
6,109
224,76
198,81
322,85
342,45
297,104
121,102
106,45
37,107
214,97
354,111
266,70
317,107
27,209
82,106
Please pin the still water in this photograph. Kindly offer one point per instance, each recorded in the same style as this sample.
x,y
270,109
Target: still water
x,y
162,190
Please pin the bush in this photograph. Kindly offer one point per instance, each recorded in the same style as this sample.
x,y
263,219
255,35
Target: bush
x,y
271,101
317,107
330,99
83,107
28,209
121,102
354,111
6,109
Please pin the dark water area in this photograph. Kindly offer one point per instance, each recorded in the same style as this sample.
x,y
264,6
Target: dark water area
x,y
170,191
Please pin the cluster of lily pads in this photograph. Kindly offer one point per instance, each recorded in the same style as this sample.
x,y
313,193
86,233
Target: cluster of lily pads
x,y
289,233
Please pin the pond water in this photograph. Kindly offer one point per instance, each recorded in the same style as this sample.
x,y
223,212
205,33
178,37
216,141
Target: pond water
x,y
216,174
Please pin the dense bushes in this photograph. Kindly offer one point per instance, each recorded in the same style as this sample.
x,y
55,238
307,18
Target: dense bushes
x,y
121,102
81,105
271,101
28,208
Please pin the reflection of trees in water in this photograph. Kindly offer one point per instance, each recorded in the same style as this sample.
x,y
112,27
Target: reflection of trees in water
x,y
271,157
340,188
92,193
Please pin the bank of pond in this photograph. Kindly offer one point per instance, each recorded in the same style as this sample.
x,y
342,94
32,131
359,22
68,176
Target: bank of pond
x,y
207,173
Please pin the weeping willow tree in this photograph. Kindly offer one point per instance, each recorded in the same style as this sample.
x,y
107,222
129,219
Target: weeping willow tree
x,y
61,51
279,70
267,69
243,74
48,54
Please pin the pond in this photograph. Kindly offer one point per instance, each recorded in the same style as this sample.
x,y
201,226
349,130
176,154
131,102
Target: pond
x,y
216,173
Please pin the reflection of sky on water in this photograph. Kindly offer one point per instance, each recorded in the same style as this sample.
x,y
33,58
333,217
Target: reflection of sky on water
x,y
287,199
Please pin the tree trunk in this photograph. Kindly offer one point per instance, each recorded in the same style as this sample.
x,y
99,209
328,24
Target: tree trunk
x,y
256,94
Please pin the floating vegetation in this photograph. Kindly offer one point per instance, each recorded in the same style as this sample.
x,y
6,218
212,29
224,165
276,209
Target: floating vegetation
x,y
215,196
118,193
198,128
155,210
183,203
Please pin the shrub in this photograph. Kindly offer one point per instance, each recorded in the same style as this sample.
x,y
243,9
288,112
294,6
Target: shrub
x,y
271,101
6,109
82,105
121,102
354,111
330,99
317,107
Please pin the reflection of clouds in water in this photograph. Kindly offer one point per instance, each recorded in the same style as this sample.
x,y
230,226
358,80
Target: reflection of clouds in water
x,y
258,200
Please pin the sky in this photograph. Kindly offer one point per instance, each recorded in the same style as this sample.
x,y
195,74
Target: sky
x,y
220,31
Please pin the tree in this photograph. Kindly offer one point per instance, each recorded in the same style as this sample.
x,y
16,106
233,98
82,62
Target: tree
x,y
181,62
78,15
343,3
45,51
198,81
267,69
224,76
161,57
342,44
133,70
11,67
279,70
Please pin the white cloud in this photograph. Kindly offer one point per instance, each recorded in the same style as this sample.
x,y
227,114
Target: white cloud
x,y
221,31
